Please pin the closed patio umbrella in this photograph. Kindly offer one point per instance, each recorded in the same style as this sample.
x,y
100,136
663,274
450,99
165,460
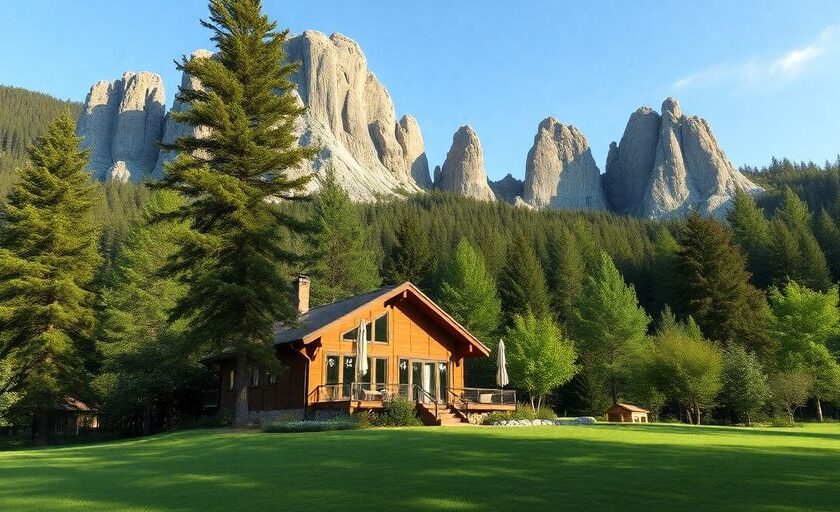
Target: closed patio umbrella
x,y
361,350
501,372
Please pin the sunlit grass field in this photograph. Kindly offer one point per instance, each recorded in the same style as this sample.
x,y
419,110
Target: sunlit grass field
x,y
603,467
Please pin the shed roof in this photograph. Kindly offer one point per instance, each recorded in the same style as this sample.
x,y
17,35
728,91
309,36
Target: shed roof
x,y
628,407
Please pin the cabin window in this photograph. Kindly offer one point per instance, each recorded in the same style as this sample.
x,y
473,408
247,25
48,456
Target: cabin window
x,y
380,329
272,378
230,381
333,367
351,334
349,369
255,377
404,372
380,368
443,370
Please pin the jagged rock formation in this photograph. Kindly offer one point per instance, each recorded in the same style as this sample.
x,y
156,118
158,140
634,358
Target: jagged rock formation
x,y
667,165
507,189
463,170
351,117
121,122
560,171
172,130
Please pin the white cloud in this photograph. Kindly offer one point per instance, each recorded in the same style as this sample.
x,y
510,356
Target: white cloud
x,y
786,66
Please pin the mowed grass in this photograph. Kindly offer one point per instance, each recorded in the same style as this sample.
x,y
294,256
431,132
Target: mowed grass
x,y
603,467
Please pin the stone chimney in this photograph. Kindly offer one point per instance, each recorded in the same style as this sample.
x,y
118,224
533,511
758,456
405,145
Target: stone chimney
x,y
301,294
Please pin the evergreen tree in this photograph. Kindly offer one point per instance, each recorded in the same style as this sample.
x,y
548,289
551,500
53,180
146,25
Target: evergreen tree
x,y
522,285
566,273
468,293
805,321
47,263
341,262
745,388
796,253
411,257
715,288
148,374
752,232
828,235
609,328
232,260
540,358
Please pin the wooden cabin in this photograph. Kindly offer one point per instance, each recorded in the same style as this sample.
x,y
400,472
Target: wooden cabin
x,y
627,413
414,349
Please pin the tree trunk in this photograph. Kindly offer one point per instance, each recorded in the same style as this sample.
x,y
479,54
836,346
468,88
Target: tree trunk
x,y
539,403
240,390
819,410
748,420
533,408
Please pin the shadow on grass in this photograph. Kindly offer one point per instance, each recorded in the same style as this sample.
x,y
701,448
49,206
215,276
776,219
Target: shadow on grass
x,y
422,469
752,431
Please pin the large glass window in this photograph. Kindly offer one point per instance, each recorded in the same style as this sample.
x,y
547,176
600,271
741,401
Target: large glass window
x,y
381,371
443,370
404,372
349,369
380,329
255,377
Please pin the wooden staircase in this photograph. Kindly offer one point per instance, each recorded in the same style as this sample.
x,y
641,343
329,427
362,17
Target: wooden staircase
x,y
447,415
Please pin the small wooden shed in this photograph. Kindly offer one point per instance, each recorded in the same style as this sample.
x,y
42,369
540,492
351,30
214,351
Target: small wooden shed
x,y
627,413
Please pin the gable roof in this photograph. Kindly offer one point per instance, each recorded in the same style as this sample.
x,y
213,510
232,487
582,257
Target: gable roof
x,y
311,323
628,407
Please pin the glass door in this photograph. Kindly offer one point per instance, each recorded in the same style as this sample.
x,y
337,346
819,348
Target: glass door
x,y
430,380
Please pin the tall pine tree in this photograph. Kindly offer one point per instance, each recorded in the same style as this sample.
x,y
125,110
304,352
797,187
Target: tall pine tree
x,y
609,327
752,232
47,264
796,253
565,274
522,286
716,290
233,259
411,257
341,262
828,235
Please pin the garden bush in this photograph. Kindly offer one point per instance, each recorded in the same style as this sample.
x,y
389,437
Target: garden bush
x,y
397,412
522,412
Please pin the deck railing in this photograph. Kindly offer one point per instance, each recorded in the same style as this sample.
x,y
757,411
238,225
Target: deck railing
x,y
362,391
487,396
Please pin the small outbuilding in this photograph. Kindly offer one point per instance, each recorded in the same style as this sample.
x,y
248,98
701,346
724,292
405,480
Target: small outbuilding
x,y
627,413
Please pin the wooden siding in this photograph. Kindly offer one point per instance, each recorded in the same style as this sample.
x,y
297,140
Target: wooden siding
x,y
413,332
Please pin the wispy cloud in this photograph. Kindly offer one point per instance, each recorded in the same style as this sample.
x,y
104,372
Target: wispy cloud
x,y
786,66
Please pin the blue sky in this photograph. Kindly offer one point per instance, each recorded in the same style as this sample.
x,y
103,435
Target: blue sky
x,y
766,74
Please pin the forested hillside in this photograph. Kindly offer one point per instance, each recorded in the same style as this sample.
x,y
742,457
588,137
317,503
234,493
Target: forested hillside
x,y
24,114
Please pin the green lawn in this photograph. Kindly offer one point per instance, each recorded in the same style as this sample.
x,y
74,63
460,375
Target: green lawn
x,y
604,467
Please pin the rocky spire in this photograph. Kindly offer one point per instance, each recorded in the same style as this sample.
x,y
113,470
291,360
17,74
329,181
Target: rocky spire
x,y
670,164
121,122
560,171
463,170
350,115
172,130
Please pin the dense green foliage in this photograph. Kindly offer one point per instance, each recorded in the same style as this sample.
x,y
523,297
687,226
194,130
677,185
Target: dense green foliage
x,y
539,357
48,260
683,366
232,260
24,115
340,261
703,469
609,327
744,383
148,374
